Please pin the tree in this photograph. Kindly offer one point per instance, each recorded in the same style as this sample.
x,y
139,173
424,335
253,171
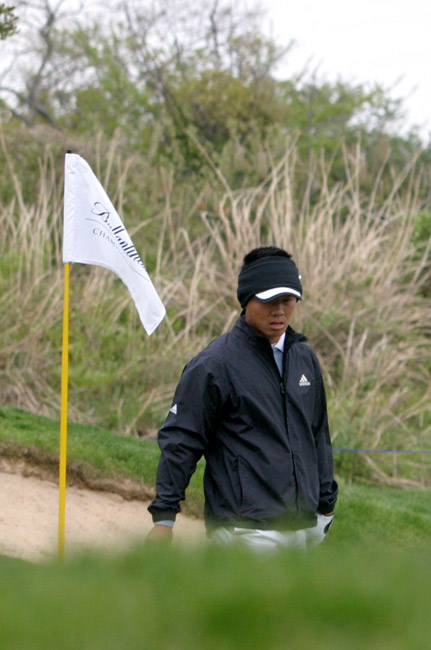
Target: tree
x,y
177,75
8,21
36,73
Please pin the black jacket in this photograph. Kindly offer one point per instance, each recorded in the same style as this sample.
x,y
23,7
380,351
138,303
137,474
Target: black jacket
x,y
265,439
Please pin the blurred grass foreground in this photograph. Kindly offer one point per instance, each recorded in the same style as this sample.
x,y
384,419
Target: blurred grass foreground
x,y
154,599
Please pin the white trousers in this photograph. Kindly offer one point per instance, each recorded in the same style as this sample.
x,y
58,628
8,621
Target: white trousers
x,y
268,540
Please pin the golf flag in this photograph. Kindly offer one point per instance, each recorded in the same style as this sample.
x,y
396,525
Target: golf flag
x,y
95,234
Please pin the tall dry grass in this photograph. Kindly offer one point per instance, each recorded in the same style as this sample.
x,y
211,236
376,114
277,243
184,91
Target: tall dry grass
x,y
30,290
363,308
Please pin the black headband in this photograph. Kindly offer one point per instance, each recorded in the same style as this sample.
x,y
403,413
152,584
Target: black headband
x,y
268,278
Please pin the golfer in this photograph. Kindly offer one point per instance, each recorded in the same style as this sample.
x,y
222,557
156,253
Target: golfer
x,y
253,404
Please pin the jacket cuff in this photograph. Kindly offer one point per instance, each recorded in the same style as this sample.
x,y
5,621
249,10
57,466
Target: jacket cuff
x,y
325,510
164,515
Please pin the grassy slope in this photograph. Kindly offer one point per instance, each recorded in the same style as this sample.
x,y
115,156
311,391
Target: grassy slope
x,y
368,587
114,456
91,451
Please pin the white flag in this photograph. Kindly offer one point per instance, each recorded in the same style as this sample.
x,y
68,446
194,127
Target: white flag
x,y
95,234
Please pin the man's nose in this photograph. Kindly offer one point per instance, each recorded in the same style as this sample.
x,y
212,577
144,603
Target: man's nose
x,y
277,306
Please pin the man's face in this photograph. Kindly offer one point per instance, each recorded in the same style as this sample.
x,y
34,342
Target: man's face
x,y
270,318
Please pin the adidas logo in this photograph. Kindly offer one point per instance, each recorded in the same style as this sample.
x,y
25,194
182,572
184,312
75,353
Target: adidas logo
x,y
174,409
304,381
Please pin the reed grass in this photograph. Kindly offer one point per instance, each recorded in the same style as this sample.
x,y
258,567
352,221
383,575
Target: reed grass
x,y
363,310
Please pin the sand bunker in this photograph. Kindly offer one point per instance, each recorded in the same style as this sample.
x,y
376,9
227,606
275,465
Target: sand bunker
x,y
29,513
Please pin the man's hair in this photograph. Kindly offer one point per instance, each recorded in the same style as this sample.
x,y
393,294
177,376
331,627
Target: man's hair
x,y
264,251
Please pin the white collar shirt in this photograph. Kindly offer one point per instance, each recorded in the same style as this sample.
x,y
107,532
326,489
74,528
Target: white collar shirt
x,y
277,350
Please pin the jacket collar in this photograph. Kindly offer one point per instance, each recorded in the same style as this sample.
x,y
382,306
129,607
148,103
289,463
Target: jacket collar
x,y
259,339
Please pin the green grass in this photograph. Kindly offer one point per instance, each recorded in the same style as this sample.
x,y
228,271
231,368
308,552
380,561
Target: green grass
x,y
91,451
381,517
159,598
368,586
112,455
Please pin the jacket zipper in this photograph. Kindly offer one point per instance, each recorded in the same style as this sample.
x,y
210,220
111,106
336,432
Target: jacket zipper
x,y
283,395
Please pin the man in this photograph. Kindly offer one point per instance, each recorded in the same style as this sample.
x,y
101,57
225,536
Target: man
x,y
253,404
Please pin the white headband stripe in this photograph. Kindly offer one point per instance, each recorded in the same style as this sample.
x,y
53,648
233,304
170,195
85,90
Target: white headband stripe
x,y
278,291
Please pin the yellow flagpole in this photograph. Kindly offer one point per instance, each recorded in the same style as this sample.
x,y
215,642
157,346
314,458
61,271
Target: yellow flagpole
x,y
63,416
